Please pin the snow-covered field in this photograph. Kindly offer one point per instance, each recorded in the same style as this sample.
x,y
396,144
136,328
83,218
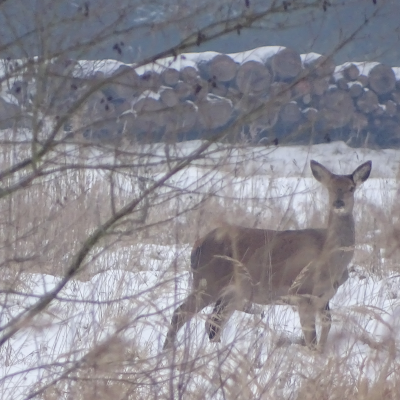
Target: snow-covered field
x,y
119,317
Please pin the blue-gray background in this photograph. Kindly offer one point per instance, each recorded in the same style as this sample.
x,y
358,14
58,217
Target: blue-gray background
x,y
130,30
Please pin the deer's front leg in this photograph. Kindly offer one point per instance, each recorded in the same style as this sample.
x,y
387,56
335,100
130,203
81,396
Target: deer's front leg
x,y
326,322
307,313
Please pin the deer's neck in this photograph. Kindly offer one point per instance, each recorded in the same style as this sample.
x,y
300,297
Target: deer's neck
x,y
338,249
336,255
341,230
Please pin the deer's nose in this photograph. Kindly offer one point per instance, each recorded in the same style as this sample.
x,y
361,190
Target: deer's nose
x,y
338,204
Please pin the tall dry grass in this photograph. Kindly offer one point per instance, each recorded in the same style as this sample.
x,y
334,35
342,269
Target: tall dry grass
x,y
101,338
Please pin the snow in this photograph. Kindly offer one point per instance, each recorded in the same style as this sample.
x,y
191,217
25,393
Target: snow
x,y
350,84
259,54
141,294
89,67
308,57
146,95
396,71
179,62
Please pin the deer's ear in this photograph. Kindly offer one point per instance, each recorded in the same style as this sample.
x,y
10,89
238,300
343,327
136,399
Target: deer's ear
x,y
320,173
361,173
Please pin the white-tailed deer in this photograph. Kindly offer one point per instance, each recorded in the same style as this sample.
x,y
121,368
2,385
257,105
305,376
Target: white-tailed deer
x,y
235,267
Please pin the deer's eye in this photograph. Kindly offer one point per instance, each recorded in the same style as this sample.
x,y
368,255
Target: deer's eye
x,y
352,189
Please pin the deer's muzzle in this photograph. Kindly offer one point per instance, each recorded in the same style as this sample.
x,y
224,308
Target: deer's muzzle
x,y
338,204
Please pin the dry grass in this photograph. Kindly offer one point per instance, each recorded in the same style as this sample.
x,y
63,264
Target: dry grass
x,y
114,353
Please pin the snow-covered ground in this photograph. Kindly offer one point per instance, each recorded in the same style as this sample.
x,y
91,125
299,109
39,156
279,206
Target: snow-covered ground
x,y
136,298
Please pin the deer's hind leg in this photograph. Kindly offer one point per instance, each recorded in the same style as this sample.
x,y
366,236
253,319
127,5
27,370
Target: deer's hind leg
x,y
194,303
223,310
226,304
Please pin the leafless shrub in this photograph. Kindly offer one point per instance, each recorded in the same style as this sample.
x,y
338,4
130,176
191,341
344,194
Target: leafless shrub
x,y
97,221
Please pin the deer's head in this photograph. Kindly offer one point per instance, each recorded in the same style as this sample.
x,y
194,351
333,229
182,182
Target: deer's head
x,y
341,188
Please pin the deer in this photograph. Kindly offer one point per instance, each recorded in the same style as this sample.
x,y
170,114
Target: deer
x,y
236,268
